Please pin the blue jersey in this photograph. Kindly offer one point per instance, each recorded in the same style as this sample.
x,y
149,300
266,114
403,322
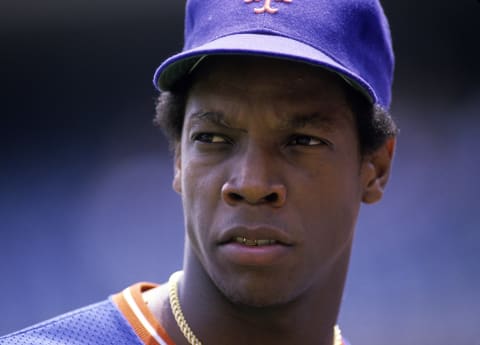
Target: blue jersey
x,y
123,319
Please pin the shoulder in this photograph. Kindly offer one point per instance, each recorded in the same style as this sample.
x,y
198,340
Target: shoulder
x,y
99,323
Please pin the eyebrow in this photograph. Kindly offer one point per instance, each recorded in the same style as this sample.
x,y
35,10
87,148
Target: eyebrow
x,y
292,122
316,119
214,117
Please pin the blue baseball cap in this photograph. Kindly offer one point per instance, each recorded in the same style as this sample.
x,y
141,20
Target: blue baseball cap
x,y
349,37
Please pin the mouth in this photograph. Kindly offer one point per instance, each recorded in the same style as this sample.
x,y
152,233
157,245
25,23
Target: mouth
x,y
259,246
254,242
258,236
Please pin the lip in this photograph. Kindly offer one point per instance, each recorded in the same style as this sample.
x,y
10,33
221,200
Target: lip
x,y
255,246
256,233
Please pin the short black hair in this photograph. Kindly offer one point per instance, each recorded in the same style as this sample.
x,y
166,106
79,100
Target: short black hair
x,y
375,125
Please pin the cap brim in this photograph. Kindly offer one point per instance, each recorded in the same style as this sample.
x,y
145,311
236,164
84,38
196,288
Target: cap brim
x,y
178,66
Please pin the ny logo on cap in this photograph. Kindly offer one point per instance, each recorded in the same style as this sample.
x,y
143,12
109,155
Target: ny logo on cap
x,y
266,6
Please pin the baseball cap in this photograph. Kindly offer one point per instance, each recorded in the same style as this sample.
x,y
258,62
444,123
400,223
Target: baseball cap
x,y
349,37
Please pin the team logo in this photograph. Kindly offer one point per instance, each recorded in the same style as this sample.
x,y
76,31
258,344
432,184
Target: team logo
x,y
267,7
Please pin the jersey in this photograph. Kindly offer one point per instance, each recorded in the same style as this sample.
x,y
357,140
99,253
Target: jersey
x,y
122,319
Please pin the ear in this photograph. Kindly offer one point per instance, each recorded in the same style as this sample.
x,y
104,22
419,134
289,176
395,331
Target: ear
x,y
376,171
177,173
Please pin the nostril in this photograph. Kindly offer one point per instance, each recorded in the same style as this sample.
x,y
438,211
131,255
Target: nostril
x,y
272,197
235,197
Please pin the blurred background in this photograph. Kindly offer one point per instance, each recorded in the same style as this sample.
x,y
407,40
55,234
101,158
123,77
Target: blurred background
x,y
86,206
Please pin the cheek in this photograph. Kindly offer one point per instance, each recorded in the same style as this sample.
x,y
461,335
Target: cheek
x,y
198,177
201,191
331,219
330,209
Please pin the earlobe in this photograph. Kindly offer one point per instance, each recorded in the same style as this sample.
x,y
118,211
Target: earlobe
x,y
376,171
177,173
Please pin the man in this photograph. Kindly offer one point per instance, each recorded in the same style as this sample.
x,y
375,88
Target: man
x,y
277,115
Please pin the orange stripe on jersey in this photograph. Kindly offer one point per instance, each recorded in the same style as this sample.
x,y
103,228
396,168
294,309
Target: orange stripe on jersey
x,y
131,304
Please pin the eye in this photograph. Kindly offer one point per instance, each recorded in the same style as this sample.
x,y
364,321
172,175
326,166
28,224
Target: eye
x,y
209,138
307,140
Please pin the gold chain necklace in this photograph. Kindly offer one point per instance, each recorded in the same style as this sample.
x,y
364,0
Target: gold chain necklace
x,y
183,324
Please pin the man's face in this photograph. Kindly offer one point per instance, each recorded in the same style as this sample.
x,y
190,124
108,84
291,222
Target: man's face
x,y
270,176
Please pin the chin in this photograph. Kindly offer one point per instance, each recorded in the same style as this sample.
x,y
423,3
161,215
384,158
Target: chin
x,y
256,294
255,300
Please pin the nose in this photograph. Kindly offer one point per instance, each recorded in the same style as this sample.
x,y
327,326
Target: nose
x,y
254,181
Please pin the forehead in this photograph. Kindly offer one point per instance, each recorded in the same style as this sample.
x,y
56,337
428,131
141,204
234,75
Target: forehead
x,y
247,74
274,88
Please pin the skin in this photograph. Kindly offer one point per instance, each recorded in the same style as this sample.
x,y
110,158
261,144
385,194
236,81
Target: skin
x,y
269,151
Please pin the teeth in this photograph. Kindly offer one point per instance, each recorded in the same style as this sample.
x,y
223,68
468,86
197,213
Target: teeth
x,y
254,243
264,242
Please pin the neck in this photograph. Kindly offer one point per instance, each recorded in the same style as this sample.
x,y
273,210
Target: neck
x,y
311,316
